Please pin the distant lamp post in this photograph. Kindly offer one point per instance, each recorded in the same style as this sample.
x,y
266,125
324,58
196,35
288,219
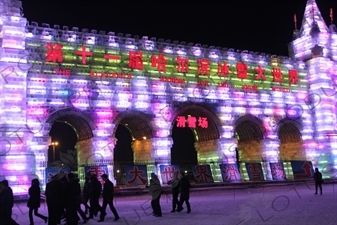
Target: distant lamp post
x,y
54,144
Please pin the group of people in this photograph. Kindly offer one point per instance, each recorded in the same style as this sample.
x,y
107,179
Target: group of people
x,y
64,198
179,186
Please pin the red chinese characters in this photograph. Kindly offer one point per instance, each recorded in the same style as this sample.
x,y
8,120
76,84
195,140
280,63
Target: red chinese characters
x,y
277,75
203,67
255,171
136,175
159,62
113,57
182,65
54,52
242,70
181,121
192,122
293,76
277,171
202,174
99,171
168,173
231,172
84,54
223,69
203,122
136,60
260,73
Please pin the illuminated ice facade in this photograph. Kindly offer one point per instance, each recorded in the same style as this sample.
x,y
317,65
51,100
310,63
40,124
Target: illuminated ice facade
x,y
272,108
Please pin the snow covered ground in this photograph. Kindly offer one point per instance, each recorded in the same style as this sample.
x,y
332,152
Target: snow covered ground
x,y
279,205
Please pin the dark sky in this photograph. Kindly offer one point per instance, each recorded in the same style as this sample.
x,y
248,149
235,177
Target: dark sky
x,y
259,25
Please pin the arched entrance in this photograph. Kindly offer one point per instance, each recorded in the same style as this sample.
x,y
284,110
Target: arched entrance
x,y
249,131
133,134
291,144
195,134
71,125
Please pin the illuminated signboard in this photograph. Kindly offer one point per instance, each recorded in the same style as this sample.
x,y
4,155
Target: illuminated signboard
x,y
111,63
192,122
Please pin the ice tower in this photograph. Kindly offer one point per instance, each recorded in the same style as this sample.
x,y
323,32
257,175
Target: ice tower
x,y
17,162
316,45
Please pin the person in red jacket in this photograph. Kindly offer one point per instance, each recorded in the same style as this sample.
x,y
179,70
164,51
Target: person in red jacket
x,y
108,192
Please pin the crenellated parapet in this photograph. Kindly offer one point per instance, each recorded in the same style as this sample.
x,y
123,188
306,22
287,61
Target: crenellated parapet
x,y
112,40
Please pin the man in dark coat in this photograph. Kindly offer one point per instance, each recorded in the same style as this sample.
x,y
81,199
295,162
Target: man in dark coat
x,y
108,191
175,190
95,189
5,205
10,201
54,197
72,194
34,201
318,180
184,193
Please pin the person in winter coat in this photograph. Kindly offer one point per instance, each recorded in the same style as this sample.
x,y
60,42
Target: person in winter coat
x,y
5,205
107,194
86,195
8,192
184,193
155,190
318,180
54,197
95,189
175,190
72,194
34,201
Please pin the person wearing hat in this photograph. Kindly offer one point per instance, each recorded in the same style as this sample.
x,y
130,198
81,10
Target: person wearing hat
x,y
54,198
108,191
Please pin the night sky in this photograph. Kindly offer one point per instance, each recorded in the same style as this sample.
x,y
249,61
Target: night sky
x,y
259,26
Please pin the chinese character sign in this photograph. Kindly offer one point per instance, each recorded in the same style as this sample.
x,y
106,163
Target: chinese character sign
x,y
302,169
277,171
97,170
192,122
52,171
230,172
136,175
163,63
254,171
167,172
202,173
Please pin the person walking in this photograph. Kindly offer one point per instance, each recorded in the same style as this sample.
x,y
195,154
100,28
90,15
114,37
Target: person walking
x,y
95,189
107,194
175,190
54,198
86,195
72,192
184,193
155,190
318,180
34,201
5,205
10,200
